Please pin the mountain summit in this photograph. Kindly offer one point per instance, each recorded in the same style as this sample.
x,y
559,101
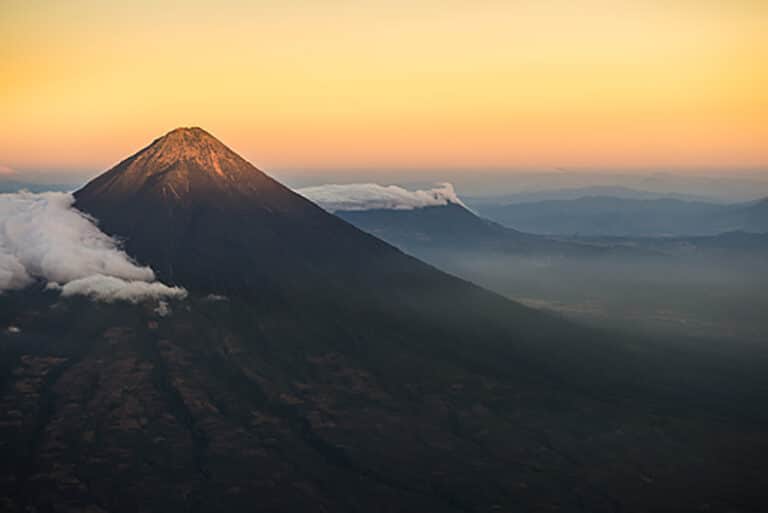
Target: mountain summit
x,y
186,165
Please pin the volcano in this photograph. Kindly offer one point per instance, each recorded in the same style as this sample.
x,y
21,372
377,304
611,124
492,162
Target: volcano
x,y
201,215
314,367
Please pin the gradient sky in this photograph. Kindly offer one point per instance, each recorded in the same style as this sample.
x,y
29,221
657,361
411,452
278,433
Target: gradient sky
x,y
342,84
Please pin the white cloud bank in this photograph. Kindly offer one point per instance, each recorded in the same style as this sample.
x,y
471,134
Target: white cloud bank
x,y
43,237
371,196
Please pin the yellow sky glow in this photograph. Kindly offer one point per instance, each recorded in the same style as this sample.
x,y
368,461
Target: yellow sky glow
x,y
320,84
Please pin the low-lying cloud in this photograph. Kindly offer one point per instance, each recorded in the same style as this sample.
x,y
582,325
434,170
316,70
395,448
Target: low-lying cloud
x,y
372,196
43,237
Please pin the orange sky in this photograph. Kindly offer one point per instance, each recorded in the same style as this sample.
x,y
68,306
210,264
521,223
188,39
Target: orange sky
x,y
322,84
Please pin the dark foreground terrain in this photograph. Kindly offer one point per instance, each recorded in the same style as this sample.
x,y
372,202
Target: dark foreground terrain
x,y
226,406
314,367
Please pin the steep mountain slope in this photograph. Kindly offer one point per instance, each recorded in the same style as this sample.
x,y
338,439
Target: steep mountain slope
x,y
314,367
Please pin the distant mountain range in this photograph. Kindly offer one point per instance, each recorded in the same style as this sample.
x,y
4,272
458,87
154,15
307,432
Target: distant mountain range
x,y
723,244
612,216
654,281
452,227
577,193
9,186
448,226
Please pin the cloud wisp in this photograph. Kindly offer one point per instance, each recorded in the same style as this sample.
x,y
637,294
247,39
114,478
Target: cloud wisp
x,y
372,196
43,237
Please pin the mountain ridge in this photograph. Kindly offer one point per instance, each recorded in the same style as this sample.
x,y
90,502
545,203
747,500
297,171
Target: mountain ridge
x,y
612,216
